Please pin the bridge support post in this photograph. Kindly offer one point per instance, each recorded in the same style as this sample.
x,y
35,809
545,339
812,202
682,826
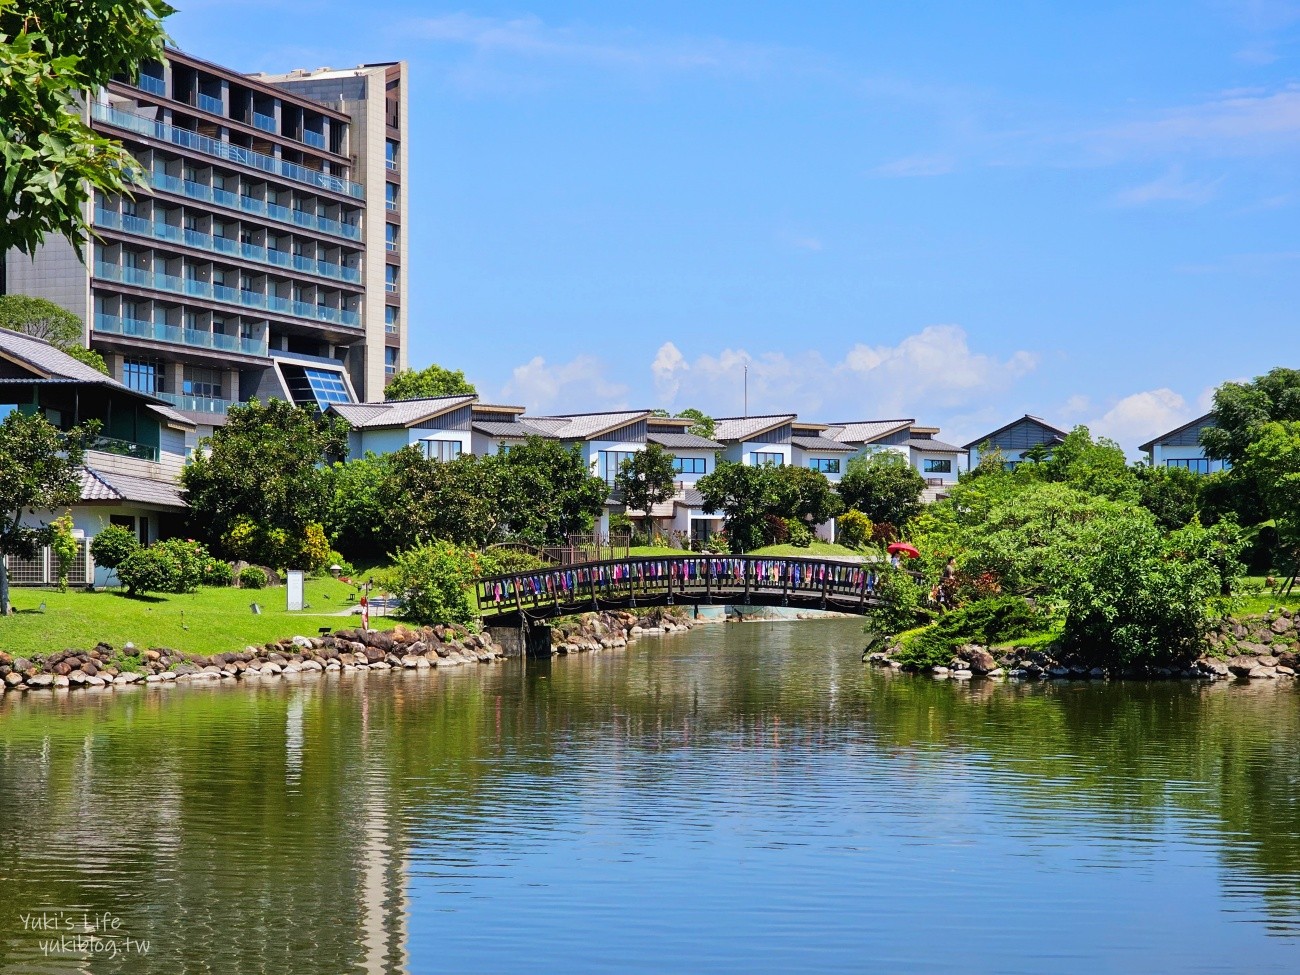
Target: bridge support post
x,y
525,640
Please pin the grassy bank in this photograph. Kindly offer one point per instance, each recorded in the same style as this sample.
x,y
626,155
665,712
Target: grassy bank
x,y
205,622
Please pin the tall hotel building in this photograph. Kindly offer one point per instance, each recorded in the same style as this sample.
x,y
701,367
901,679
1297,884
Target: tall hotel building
x,y
265,258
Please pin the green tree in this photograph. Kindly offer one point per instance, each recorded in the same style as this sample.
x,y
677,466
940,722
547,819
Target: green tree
x,y
1171,494
704,425
53,55
112,545
40,470
745,496
884,487
804,495
646,479
1092,466
1241,410
425,499
428,382
853,529
265,466
1272,461
356,514
544,491
435,580
44,319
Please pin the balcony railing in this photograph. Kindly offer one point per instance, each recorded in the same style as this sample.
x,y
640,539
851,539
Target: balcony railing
x,y
316,139
264,122
147,82
176,335
223,245
221,293
196,404
211,104
248,204
223,150
123,448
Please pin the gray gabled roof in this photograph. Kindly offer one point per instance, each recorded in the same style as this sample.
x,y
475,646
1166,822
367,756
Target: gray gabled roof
x,y
747,427
587,426
822,444
49,362
682,441
402,413
1201,421
99,485
934,446
1057,433
866,431
520,430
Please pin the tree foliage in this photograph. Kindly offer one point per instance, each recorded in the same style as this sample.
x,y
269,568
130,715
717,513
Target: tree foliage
x,y
704,425
44,319
428,382
883,486
744,496
545,491
434,581
112,545
40,470
1272,461
646,479
54,53
804,495
256,484
1241,410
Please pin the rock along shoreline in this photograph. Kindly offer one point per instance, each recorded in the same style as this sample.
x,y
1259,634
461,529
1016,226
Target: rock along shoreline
x,y
1263,647
345,651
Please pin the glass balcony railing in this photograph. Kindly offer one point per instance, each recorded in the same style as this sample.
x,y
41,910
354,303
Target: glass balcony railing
x,y
176,335
223,150
196,404
316,139
206,290
210,103
124,448
223,245
148,82
248,204
264,122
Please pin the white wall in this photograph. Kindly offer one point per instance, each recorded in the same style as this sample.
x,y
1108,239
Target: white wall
x,y
1161,455
741,451
705,455
919,457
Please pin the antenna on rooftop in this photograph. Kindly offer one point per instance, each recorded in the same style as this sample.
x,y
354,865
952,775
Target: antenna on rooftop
x,y
746,392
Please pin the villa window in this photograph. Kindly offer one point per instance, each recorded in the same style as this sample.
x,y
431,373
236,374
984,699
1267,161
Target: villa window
x,y
761,459
1197,465
610,461
933,465
690,465
825,465
441,450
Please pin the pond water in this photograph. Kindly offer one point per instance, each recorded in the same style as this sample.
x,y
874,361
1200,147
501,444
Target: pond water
x,y
745,798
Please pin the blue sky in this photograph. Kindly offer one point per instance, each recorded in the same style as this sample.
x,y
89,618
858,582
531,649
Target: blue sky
x,y
959,212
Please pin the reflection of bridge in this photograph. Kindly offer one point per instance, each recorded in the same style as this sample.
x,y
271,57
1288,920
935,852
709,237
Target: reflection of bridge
x,y
686,580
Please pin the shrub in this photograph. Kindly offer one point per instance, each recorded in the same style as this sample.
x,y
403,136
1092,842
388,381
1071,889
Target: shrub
x,y
315,552
776,529
346,568
144,570
882,533
799,534
112,545
434,581
985,622
853,529
218,573
64,546
503,561
900,607
251,577
176,565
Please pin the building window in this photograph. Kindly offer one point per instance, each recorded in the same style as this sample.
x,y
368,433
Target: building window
x,y
759,459
390,361
441,450
610,461
690,465
391,195
932,465
142,375
202,382
392,235
391,324
391,154
327,387
390,278
827,465
1197,465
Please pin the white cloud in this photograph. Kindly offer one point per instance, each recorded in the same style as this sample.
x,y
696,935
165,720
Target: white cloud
x,y
1137,418
1235,122
580,384
933,165
933,370
1170,188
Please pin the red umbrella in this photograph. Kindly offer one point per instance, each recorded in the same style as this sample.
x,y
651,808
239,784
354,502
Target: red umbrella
x,y
904,548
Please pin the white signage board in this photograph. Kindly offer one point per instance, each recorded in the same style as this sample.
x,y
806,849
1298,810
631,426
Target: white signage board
x,y
293,589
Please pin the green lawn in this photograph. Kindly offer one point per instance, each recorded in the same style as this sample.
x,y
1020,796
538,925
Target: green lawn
x,y
813,550
640,550
208,621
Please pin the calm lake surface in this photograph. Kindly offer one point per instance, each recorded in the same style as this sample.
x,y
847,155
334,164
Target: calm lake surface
x,y
745,798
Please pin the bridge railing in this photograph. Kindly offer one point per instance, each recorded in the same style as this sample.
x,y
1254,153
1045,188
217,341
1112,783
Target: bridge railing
x,y
696,578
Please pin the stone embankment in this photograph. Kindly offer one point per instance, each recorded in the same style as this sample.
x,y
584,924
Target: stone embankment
x,y
403,648
1256,648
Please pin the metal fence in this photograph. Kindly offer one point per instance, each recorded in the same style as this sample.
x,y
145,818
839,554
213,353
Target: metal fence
x,y
44,569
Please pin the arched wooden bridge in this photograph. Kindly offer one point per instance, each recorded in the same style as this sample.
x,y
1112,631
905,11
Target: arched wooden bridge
x,y
850,587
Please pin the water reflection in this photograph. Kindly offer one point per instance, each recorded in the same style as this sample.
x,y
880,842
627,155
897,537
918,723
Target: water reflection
x,y
746,798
